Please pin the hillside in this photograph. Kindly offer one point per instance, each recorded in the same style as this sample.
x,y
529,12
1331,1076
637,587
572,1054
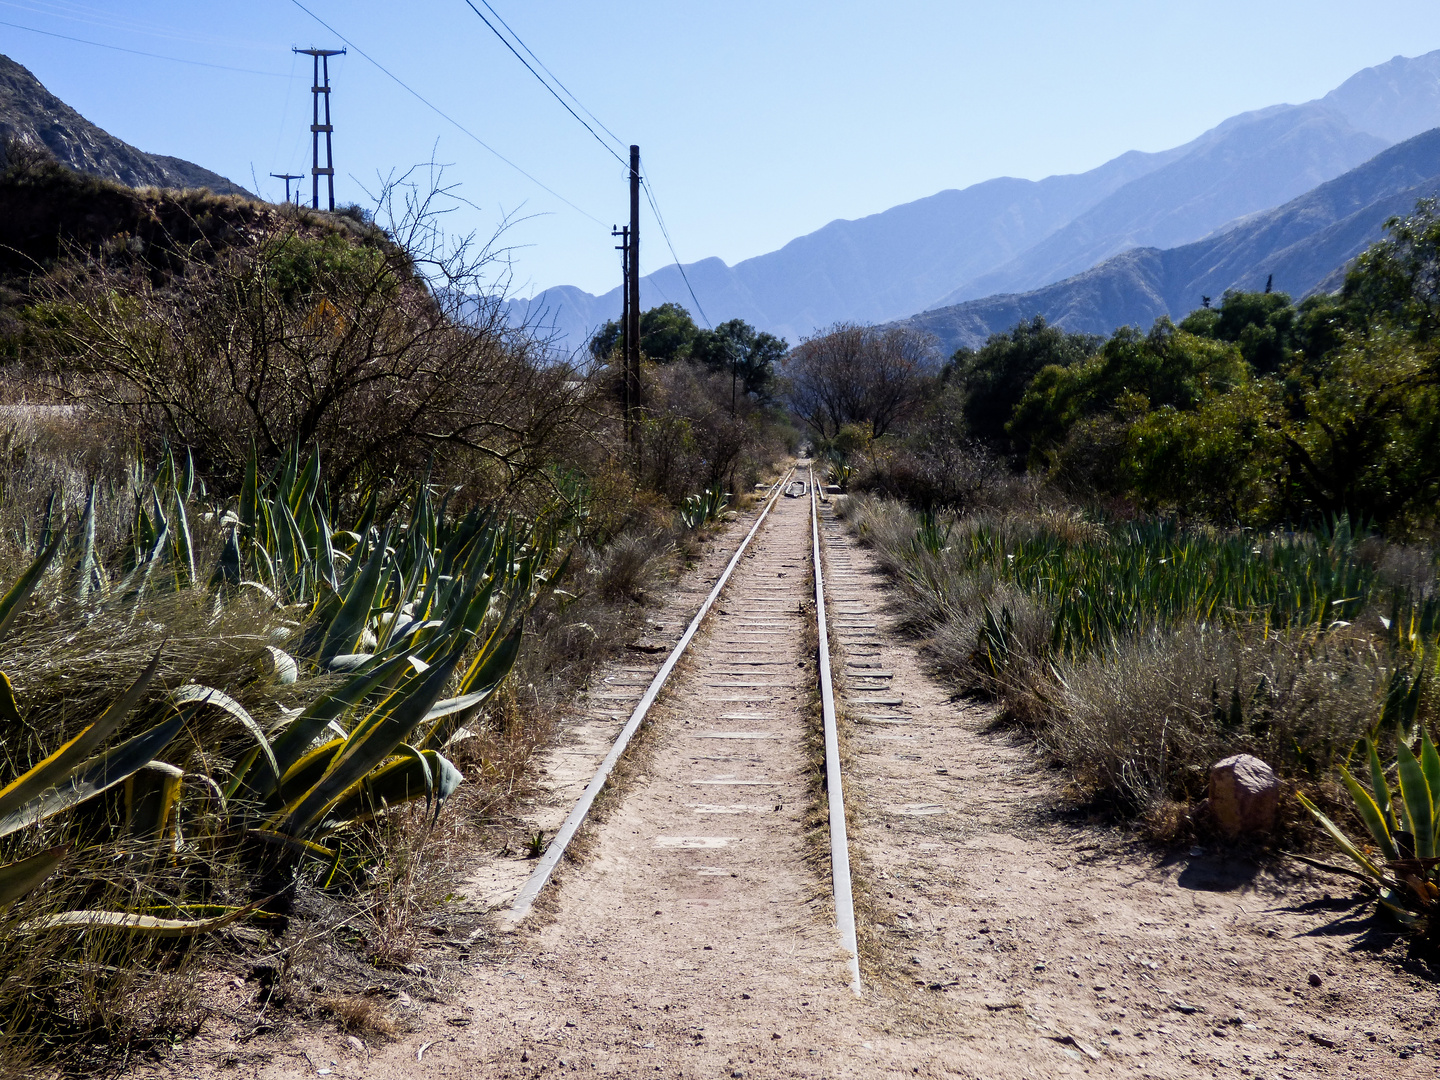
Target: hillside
x,y
1302,244
1012,235
31,115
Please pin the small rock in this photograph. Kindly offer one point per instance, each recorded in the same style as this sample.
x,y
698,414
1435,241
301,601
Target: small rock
x,y
1244,794
775,1035
524,1055
1314,979
355,1044
1182,1007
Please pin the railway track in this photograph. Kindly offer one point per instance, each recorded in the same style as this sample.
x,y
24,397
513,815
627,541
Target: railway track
x,y
722,812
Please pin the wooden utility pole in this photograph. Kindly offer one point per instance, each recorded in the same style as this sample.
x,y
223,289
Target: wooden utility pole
x,y
624,248
632,301
317,88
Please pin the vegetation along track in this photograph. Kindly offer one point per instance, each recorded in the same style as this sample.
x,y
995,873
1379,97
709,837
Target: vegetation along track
x,y
997,939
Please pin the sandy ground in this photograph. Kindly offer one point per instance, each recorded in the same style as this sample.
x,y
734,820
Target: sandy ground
x,y
999,939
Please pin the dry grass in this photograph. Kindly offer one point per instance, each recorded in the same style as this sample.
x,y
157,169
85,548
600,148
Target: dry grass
x,y
1144,724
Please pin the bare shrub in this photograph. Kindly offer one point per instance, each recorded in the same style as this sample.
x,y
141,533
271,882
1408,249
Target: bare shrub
x,y
853,374
635,567
385,349
695,434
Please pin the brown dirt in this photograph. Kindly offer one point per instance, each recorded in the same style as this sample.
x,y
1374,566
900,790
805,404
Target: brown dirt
x,y
1000,937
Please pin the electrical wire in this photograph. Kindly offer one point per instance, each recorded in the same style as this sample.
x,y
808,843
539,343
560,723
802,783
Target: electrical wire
x,y
649,193
608,148
108,19
444,115
531,53
139,52
655,208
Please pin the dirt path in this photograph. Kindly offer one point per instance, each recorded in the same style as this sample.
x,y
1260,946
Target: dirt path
x,y
998,940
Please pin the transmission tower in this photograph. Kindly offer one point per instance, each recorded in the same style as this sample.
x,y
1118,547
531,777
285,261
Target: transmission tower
x,y
320,85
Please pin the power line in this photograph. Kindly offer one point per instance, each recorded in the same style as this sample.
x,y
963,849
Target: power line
x,y
444,115
608,149
598,122
106,19
655,208
139,52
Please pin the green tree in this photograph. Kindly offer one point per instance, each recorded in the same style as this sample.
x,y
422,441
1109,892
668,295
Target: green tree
x,y
667,333
1397,280
1364,437
1223,460
994,377
1166,367
738,349
1261,324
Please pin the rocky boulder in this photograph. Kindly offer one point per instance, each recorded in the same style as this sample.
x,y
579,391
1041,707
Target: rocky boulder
x,y
1244,795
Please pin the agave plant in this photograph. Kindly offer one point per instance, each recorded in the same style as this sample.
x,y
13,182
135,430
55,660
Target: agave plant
x,y
700,510
407,611
1404,827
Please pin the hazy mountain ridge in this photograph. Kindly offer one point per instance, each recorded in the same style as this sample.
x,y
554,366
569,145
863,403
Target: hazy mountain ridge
x,y
31,114
1304,244
935,250
915,249
1260,163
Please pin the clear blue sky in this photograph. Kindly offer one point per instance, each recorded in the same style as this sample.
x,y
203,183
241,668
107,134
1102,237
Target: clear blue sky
x,y
758,121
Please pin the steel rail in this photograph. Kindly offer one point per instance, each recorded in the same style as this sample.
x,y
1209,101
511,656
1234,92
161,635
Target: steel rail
x,y
543,871
834,785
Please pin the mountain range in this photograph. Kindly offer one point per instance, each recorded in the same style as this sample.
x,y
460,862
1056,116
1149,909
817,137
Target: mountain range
x,y
1299,248
31,115
1006,238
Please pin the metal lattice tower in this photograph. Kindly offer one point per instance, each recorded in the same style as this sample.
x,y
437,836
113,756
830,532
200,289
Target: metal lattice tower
x,y
320,86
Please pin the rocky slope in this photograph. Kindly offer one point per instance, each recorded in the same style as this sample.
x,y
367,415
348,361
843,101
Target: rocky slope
x,y
32,115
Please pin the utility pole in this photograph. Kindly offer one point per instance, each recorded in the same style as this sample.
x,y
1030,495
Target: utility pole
x,y
287,177
624,248
317,88
632,312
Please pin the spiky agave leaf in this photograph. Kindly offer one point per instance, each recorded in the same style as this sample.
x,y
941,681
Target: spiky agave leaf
x,y
69,758
369,745
413,775
1415,794
97,775
14,600
19,878
131,923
